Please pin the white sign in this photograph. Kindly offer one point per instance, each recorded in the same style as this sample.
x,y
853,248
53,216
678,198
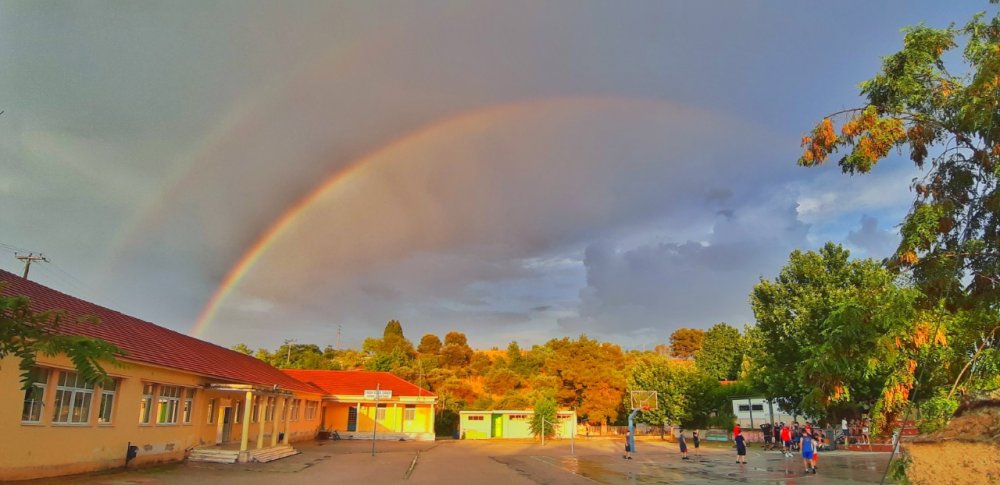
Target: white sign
x,y
378,394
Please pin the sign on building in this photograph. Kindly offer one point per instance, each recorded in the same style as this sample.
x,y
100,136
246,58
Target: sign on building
x,y
378,394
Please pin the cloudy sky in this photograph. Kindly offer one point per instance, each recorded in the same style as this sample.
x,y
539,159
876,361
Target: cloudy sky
x,y
261,171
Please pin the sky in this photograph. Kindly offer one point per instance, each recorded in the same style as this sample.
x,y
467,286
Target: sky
x,y
255,172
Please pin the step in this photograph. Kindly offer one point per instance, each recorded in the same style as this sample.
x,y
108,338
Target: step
x,y
273,453
213,456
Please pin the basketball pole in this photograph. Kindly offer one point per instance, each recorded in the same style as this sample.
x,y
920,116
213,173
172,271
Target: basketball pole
x,y
631,429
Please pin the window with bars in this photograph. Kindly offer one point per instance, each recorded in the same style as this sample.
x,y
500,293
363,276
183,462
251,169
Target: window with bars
x,y
410,412
476,418
380,412
296,404
255,413
269,412
188,405
146,405
34,398
73,399
107,402
168,405
518,417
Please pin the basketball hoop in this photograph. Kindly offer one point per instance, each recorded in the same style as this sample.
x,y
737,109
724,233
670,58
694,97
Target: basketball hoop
x,y
643,401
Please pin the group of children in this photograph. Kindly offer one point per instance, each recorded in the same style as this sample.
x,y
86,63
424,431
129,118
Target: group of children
x,y
806,439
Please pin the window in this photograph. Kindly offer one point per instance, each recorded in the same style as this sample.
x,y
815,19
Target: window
x,y
518,417
73,398
295,409
256,410
188,405
237,415
35,397
211,411
380,412
269,411
757,407
168,405
744,407
475,418
311,409
146,405
409,412
107,402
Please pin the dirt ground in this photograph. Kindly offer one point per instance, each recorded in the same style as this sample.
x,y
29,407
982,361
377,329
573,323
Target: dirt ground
x,y
967,451
505,462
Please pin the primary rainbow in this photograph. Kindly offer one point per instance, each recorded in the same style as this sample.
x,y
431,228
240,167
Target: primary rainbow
x,y
482,116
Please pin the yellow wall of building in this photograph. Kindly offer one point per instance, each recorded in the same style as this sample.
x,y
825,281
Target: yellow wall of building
x,y
336,414
32,450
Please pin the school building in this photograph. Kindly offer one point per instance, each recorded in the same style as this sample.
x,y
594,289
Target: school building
x,y
175,397
475,425
356,403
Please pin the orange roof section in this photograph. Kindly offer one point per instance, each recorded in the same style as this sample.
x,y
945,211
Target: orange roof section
x,y
356,382
148,343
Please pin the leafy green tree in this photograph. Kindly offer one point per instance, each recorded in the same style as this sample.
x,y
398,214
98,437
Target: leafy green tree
x,y
543,422
835,332
721,353
243,349
25,334
684,342
942,110
671,380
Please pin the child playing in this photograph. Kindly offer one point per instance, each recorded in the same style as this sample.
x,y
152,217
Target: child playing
x,y
697,442
684,447
741,449
628,446
807,452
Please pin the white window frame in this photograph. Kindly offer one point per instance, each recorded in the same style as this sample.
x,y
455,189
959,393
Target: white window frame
x,y
71,395
168,403
187,413
380,411
106,409
34,398
146,404
311,410
410,412
296,404
255,413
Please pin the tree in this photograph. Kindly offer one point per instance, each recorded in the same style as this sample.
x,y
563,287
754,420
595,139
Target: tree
x,y
456,351
835,332
942,110
684,342
543,421
721,353
243,349
591,376
430,344
671,381
25,334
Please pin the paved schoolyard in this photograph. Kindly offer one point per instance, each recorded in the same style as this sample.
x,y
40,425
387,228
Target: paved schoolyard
x,y
504,462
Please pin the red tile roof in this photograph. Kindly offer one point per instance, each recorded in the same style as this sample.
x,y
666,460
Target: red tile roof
x,y
356,382
147,343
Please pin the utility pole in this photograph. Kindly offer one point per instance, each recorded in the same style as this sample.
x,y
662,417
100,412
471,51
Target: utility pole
x,y
288,344
30,258
339,327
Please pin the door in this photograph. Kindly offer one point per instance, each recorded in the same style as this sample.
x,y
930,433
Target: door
x,y
227,419
498,426
352,419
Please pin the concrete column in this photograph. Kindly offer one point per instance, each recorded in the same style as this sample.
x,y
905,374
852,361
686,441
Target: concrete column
x,y
262,410
245,437
288,418
274,424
